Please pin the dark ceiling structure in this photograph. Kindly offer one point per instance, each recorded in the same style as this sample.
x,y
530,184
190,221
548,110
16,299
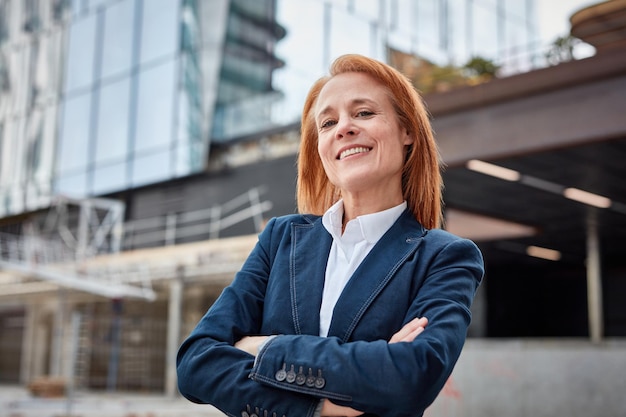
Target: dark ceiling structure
x,y
546,151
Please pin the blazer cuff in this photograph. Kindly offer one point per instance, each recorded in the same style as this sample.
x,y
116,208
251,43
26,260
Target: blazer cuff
x,y
261,346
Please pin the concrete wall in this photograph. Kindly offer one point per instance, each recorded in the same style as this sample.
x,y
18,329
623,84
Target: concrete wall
x,y
538,378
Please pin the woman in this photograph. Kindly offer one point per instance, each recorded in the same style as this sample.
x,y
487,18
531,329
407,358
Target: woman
x,y
360,305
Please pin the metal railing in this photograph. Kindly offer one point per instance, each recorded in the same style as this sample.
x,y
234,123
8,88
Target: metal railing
x,y
173,228
60,252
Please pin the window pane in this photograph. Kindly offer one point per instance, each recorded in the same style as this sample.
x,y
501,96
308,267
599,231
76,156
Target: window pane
x,y
82,36
309,60
486,27
159,29
155,107
370,9
118,38
74,136
151,168
112,132
92,4
189,158
349,34
109,178
73,186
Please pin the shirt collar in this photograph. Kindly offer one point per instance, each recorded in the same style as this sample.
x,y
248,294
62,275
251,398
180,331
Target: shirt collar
x,y
373,226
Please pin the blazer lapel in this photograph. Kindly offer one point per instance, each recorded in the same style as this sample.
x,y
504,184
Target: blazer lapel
x,y
378,267
310,245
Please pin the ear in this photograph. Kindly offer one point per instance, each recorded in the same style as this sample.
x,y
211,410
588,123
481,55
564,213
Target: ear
x,y
408,138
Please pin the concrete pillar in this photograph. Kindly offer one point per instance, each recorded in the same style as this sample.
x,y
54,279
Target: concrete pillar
x,y
58,335
594,282
28,343
173,335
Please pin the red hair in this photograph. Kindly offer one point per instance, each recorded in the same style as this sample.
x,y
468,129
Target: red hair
x,y
421,175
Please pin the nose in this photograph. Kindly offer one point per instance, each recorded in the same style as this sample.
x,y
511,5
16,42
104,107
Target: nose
x,y
345,128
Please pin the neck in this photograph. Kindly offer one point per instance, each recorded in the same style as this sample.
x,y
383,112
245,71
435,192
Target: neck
x,y
354,206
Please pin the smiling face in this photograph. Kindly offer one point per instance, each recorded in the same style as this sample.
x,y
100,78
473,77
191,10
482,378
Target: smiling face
x,y
360,141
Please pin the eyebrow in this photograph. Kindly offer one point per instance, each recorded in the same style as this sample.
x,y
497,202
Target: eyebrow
x,y
356,101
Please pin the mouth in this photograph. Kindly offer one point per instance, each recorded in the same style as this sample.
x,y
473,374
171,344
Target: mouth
x,y
353,151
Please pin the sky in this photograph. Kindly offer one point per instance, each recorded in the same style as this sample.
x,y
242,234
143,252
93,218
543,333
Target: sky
x,y
554,16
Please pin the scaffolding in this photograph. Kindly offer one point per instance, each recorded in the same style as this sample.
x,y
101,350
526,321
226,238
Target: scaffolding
x,y
84,244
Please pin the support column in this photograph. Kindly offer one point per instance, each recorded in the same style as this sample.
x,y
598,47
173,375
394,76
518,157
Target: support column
x,y
594,282
29,343
173,334
58,334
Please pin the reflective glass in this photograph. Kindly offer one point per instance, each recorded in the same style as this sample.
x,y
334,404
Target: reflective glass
x,y
80,60
189,111
349,34
485,26
159,29
93,4
516,9
302,47
303,65
426,24
155,107
73,186
109,178
34,141
113,115
41,133
370,9
190,158
405,17
118,38
458,31
151,168
7,158
74,138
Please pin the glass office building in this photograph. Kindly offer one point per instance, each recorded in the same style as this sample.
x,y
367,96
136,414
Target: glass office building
x,y
100,96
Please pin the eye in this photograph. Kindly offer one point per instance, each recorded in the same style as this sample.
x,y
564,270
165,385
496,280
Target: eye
x,y
364,113
327,123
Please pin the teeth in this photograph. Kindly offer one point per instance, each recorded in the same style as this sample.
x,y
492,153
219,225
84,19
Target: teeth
x,y
353,151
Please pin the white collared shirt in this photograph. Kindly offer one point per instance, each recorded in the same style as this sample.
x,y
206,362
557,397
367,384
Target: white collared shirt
x,y
349,249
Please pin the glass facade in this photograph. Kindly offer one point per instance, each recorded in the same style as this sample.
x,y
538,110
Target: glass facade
x,y
100,96
122,82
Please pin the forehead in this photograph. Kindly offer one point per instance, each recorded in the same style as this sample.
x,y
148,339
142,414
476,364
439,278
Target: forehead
x,y
350,87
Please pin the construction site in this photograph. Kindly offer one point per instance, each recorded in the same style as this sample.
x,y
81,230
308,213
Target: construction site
x,y
133,186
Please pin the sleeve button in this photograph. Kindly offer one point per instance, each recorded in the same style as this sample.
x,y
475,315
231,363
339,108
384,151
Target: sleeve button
x,y
310,379
291,375
319,381
281,374
300,378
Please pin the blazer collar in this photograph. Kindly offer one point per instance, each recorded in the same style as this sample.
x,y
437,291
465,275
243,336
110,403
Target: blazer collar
x,y
309,253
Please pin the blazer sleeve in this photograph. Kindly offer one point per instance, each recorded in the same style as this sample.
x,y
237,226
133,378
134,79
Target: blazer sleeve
x,y
212,371
400,379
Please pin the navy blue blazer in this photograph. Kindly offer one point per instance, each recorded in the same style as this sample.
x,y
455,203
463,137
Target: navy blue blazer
x,y
411,272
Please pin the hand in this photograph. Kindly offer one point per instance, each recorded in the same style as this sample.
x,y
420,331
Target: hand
x,y
410,330
330,409
251,344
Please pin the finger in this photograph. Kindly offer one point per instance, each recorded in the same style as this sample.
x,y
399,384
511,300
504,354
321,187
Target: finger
x,y
405,331
411,336
408,330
